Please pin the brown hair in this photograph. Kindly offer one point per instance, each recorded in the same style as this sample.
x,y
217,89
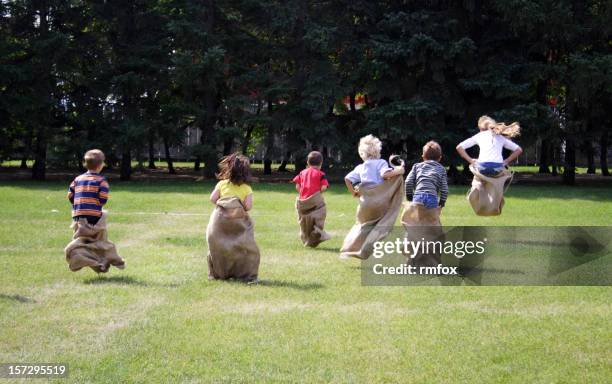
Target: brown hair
x,y
432,151
93,159
235,168
315,158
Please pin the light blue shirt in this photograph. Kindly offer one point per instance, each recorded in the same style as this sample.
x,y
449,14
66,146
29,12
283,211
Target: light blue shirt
x,y
369,173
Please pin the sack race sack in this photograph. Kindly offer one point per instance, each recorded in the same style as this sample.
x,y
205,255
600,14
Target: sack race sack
x,y
423,224
232,251
377,212
311,216
90,247
487,193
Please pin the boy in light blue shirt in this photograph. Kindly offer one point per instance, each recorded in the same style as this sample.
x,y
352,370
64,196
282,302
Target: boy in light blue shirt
x,y
374,170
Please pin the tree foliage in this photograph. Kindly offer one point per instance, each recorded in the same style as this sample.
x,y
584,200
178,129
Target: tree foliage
x,y
291,76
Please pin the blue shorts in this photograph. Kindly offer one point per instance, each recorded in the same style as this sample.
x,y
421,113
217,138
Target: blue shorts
x,y
427,199
490,169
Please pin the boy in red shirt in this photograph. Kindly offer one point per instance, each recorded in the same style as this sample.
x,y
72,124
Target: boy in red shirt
x,y
311,180
310,183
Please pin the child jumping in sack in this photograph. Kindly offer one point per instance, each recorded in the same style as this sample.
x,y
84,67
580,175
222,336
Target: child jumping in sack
x,y
426,190
88,193
232,250
310,205
426,183
380,192
373,171
490,170
491,140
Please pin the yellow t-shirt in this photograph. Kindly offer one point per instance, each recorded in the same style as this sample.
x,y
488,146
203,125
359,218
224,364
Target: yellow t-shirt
x,y
229,189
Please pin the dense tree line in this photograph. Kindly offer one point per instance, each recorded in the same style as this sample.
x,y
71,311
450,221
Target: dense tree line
x,y
124,75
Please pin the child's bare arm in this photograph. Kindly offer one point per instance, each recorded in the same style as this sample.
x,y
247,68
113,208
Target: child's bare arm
x,y
71,193
323,188
248,202
297,187
349,186
513,156
214,196
461,151
393,172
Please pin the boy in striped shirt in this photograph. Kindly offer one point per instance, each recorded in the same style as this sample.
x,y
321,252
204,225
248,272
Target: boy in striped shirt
x,y
89,192
427,179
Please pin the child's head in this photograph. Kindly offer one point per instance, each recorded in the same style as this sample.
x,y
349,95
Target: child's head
x,y
315,159
369,148
432,151
485,122
235,168
94,160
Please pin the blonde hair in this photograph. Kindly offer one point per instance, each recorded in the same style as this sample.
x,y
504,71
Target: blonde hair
x,y
369,147
93,159
512,130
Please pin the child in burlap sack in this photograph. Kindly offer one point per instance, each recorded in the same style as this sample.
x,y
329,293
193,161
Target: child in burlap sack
x,y
232,250
88,193
310,205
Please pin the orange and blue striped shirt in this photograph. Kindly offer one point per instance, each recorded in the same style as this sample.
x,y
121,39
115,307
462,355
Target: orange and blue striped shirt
x,y
88,193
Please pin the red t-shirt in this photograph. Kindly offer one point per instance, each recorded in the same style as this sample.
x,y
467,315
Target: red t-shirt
x,y
310,180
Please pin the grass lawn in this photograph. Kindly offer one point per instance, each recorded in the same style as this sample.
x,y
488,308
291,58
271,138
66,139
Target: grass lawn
x,y
310,320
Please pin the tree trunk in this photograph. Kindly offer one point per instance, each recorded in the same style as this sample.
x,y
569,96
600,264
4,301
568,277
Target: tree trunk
x,y
556,156
228,145
283,166
168,157
139,159
300,162
126,165
27,149
40,155
151,150
603,153
247,138
40,151
590,154
544,156
269,143
569,169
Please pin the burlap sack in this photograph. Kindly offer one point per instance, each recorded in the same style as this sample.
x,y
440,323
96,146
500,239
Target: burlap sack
x,y
311,216
423,224
90,247
376,214
487,193
232,251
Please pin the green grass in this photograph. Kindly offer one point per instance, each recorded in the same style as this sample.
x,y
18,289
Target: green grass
x,y
310,320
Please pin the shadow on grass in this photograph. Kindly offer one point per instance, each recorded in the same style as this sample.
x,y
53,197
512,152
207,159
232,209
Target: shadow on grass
x,y
124,280
290,284
328,249
17,298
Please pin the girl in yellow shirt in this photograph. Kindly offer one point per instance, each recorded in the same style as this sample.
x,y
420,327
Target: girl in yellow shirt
x,y
234,178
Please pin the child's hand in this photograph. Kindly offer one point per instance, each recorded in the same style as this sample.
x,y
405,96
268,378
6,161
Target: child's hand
x,y
356,193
